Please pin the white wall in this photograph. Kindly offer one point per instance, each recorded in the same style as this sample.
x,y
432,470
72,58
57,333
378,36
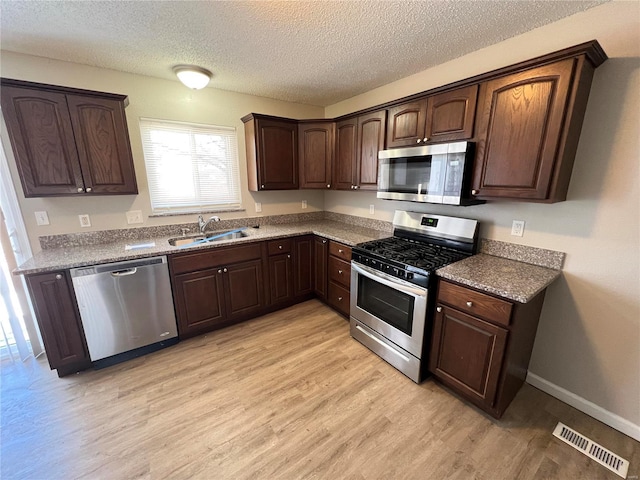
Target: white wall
x,y
588,340
153,98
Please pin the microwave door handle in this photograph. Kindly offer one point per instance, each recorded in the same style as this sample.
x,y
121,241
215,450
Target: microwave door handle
x,y
385,280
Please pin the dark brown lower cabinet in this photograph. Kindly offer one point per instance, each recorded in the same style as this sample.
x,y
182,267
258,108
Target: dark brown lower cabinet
x,y
303,266
481,344
320,258
59,321
281,278
339,273
217,287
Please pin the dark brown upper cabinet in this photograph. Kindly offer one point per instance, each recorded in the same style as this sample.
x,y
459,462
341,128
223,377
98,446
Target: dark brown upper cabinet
x,y
528,129
357,143
272,152
346,151
68,141
444,117
315,152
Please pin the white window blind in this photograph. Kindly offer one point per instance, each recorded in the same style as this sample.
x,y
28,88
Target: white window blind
x,y
190,167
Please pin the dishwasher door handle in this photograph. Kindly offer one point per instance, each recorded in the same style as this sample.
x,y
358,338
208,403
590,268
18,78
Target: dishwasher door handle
x,y
124,273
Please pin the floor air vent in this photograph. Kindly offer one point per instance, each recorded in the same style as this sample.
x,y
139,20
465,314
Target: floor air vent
x,y
592,450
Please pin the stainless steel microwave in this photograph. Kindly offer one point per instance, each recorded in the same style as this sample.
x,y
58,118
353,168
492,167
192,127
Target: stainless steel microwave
x,y
438,173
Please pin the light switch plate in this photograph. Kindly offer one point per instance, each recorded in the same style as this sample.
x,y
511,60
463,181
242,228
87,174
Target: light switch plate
x,y
42,218
85,221
134,216
517,228
304,204
258,207
372,209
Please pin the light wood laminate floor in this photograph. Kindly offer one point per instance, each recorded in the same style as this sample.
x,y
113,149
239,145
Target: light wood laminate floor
x,y
286,396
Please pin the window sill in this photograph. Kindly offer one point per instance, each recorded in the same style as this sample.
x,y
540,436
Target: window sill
x,y
195,212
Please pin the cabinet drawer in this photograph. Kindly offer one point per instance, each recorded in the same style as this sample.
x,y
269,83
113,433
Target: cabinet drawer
x,y
339,250
190,262
276,247
340,271
339,298
475,303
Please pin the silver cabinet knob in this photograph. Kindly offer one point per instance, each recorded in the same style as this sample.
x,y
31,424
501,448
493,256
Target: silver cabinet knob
x,y
438,309
324,241
225,270
355,187
425,139
220,270
58,277
340,250
80,189
328,185
474,192
280,247
469,304
261,186
418,141
88,189
339,272
339,299
288,256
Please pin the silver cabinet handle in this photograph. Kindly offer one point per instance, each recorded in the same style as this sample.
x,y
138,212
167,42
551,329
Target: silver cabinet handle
x,y
438,309
88,189
58,277
80,189
219,270
469,304
474,192
225,270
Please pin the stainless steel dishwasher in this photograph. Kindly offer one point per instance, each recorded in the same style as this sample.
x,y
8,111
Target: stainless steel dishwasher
x,y
125,307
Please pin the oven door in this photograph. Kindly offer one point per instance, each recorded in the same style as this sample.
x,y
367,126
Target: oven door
x,y
390,306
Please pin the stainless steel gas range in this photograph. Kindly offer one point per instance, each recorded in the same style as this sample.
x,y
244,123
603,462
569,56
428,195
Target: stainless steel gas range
x,y
392,285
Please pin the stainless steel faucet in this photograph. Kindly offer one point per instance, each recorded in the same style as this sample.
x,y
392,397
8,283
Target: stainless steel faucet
x,y
203,225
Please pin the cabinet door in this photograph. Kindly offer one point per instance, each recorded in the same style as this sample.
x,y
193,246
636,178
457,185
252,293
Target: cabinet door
x,y
244,292
346,143
102,138
281,278
467,354
371,129
277,152
43,143
199,301
58,319
520,124
406,123
320,253
303,266
450,115
315,142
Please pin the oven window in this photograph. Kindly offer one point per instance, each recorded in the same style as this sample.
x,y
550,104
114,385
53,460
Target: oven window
x,y
388,304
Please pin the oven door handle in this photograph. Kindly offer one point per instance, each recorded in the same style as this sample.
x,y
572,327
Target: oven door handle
x,y
388,280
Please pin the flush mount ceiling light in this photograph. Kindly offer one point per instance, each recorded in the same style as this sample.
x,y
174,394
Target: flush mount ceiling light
x,y
192,76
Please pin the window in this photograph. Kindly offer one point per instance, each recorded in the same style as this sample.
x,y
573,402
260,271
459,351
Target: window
x,y
190,167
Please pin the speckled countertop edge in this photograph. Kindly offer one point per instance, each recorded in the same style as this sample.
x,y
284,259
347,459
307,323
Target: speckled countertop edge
x,y
79,256
504,277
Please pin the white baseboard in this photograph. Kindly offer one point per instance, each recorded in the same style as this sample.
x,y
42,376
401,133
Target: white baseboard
x,y
585,406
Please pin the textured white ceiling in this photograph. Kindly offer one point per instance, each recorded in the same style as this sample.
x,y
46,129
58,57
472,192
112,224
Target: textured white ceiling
x,y
317,52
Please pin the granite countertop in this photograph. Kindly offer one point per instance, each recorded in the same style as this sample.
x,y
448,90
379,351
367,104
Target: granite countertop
x,y
507,278
78,256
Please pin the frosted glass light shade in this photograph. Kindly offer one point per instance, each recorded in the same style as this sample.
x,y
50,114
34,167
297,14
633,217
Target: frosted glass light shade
x,y
192,76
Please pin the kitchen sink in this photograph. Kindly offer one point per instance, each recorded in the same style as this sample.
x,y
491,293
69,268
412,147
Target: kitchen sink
x,y
209,237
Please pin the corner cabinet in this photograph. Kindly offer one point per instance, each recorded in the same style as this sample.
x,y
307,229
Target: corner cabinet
x,y
272,152
68,141
315,153
59,321
481,344
528,130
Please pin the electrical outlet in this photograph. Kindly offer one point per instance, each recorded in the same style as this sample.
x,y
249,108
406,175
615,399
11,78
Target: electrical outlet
x,y
517,228
134,216
304,204
85,221
372,209
258,207
42,218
